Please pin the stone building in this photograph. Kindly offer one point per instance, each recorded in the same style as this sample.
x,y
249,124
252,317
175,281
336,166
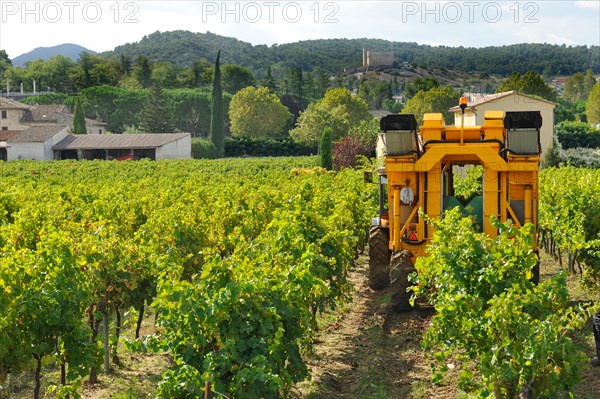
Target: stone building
x,y
11,114
18,116
377,58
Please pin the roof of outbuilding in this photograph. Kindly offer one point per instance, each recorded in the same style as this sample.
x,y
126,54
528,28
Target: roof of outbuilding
x,y
36,134
117,141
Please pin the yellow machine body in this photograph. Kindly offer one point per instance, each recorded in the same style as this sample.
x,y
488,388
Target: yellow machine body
x,y
422,179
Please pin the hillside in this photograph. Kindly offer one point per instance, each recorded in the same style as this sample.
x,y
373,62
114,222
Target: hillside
x,y
68,50
333,55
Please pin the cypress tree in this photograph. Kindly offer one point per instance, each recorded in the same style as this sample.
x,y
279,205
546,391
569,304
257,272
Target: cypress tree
x,y
217,134
79,120
326,153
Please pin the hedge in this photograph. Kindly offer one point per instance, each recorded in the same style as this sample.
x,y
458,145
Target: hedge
x,y
577,135
254,147
203,149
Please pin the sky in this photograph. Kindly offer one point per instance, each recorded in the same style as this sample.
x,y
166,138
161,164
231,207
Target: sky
x,y
102,25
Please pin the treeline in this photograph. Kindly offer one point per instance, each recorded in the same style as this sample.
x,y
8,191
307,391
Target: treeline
x,y
545,59
183,49
61,74
121,109
333,55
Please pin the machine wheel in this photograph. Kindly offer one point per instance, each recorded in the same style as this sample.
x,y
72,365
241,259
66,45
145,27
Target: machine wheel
x,y
379,258
536,271
401,266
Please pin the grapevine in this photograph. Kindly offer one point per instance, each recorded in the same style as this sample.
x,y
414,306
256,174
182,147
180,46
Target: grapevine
x,y
236,258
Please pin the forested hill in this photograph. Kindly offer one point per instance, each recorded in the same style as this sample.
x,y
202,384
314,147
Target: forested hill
x,y
333,55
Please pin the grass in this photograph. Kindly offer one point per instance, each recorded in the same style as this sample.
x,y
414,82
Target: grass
x,y
371,382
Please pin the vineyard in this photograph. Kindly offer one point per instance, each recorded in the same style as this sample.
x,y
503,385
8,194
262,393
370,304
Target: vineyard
x,y
570,219
237,258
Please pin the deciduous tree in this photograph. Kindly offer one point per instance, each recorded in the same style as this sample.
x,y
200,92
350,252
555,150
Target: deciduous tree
x,y
338,110
420,84
5,62
569,110
163,75
236,77
573,90
592,108
438,99
257,112
530,83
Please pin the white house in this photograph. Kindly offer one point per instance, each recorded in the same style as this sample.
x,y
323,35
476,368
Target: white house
x,y
35,143
510,101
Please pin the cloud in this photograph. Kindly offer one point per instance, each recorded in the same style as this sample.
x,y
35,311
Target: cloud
x,y
450,23
588,4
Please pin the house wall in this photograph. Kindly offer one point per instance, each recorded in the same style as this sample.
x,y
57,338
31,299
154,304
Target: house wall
x,y
179,149
470,118
95,129
38,151
375,58
35,151
12,120
90,125
48,144
516,102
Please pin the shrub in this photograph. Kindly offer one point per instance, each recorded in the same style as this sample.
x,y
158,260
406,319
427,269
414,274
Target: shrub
x,y
578,157
204,149
577,134
346,151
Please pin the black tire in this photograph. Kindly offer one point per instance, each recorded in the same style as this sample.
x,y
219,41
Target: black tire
x,y
401,266
535,278
379,258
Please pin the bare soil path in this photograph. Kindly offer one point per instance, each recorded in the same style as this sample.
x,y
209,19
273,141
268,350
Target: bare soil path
x,y
368,351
